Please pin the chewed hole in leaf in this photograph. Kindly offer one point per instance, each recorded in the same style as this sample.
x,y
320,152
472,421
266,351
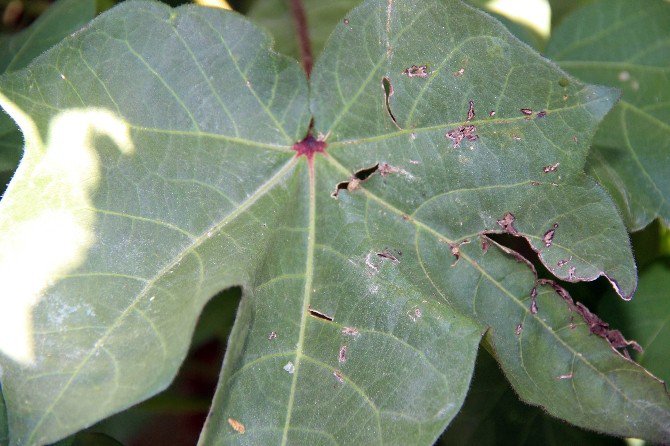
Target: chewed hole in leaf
x,y
388,92
354,182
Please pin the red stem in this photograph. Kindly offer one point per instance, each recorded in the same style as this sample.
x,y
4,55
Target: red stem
x,y
300,19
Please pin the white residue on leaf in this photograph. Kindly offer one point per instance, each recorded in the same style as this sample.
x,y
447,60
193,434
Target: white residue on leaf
x,y
289,367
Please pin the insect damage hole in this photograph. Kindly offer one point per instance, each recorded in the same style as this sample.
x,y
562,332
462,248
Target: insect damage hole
x,y
318,314
355,181
388,92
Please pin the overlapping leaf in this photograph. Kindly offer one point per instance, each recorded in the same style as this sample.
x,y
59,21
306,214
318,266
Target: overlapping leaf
x,y
162,148
17,50
647,319
626,44
492,415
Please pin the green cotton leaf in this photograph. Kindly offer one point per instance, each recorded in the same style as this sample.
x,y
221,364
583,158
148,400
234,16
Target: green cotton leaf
x,y
167,160
4,428
646,318
16,52
492,415
626,44
322,16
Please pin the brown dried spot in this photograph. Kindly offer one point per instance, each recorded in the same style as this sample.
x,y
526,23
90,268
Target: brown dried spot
x,y
386,169
471,110
388,255
535,183
492,113
551,168
350,331
415,314
355,181
462,132
518,330
548,237
459,72
574,138
566,376
318,314
542,114
239,427
416,71
346,21
338,376
565,97
342,357
406,217
526,111
562,262
272,335
507,223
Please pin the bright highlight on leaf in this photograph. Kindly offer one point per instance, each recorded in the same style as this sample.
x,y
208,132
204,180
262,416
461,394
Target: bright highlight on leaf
x,y
203,160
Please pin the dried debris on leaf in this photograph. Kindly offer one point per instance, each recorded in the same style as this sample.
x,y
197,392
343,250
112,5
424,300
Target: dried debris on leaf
x,y
236,425
272,335
459,72
518,329
471,110
338,376
456,250
526,111
415,314
416,71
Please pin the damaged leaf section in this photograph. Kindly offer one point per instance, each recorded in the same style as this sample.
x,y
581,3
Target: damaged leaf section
x,y
355,181
596,325
416,71
464,131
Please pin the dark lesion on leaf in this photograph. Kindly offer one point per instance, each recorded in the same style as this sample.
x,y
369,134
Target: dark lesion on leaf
x,y
391,255
507,223
468,131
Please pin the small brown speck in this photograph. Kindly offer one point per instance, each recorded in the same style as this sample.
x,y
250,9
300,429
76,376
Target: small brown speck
x,y
562,262
338,376
459,72
350,331
571,272
526,111
574,138
533,301
239,427
342,357
492,113
272,335
551,168
346,21
535,183
542,114
518,329
416,71
471,110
